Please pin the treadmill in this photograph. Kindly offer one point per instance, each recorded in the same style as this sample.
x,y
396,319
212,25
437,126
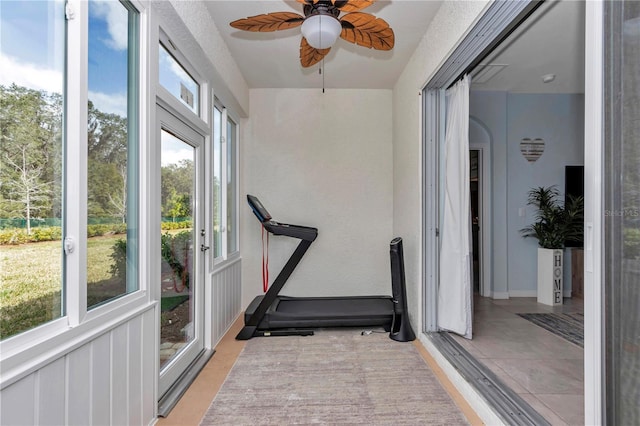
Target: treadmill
x,y
274,315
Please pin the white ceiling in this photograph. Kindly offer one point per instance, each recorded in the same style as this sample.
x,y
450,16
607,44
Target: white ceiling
x,y
550,42
271,60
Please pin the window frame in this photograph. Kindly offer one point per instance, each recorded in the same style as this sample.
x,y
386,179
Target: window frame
x,y
236,179
198,118
31,349
134,138
59,323
226,117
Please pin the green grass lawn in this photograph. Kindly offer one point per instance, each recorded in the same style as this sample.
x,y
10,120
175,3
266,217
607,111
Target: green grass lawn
x,y
31,281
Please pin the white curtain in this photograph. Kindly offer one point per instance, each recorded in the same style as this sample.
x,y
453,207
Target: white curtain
x,y
455,287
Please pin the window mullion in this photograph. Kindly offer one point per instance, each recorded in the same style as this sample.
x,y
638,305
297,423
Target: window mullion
x,y
223,181
234,187
75,196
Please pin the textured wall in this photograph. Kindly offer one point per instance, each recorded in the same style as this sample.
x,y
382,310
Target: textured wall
x,y
453,21
322,160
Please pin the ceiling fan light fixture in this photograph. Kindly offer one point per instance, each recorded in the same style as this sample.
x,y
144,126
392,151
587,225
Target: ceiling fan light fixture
x,y
321,31
322,24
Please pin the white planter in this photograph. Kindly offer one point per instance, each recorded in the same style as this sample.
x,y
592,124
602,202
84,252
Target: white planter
x,y
550,271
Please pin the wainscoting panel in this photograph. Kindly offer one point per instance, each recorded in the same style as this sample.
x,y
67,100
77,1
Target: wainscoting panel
x,y
51,403
78,371
109,378
226,295
100,397
18,405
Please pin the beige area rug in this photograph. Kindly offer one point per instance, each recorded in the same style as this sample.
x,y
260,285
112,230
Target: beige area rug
x,y
334,377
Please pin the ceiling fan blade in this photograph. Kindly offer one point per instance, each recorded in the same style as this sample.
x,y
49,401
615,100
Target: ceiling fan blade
x,y
269,22
366,30
343,5
310,55
352,5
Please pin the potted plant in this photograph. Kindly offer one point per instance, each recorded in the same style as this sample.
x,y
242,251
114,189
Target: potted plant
x,y
555,224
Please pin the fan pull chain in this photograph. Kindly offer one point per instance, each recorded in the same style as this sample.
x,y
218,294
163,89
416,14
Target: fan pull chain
x,y
321,66
322,74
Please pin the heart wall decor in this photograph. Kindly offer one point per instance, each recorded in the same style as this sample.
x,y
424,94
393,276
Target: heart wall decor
x,y
532,149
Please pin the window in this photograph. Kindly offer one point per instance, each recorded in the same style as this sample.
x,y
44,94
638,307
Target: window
x,y
177,80
217,181
112,152
43,150
32,56
225,188
232,191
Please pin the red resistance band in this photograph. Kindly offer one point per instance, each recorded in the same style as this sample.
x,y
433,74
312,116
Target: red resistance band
x,y
265,263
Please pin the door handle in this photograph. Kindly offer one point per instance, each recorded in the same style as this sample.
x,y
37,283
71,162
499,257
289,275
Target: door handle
x,y
204,248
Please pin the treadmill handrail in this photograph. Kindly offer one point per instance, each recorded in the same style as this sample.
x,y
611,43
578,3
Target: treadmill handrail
x,y
270,296
305,233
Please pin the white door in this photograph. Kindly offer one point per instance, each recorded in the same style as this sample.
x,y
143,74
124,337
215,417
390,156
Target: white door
x,y
182,247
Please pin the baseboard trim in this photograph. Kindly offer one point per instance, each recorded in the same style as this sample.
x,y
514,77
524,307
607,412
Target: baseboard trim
x,y
523,293
500,295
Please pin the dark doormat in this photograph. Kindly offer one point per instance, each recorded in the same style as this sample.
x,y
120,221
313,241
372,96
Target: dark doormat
x,y
569,326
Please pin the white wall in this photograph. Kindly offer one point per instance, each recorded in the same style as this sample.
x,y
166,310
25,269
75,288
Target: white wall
x,y
322,160
448,28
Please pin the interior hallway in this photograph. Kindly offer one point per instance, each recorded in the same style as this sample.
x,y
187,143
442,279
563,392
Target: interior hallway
x,y
541,367
195,402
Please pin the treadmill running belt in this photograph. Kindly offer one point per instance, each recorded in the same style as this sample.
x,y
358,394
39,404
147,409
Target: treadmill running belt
x,y
335,307
328,312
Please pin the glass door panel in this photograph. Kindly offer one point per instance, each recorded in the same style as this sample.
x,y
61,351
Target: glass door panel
x,y
181,301
177,239
622,211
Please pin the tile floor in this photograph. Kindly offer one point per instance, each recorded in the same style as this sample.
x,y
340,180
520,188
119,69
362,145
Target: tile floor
x,y
544,369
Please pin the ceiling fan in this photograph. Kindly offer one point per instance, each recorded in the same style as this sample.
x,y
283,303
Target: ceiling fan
x,y
321,25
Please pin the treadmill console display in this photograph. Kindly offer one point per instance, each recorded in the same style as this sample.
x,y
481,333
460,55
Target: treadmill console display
x,y
258,209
